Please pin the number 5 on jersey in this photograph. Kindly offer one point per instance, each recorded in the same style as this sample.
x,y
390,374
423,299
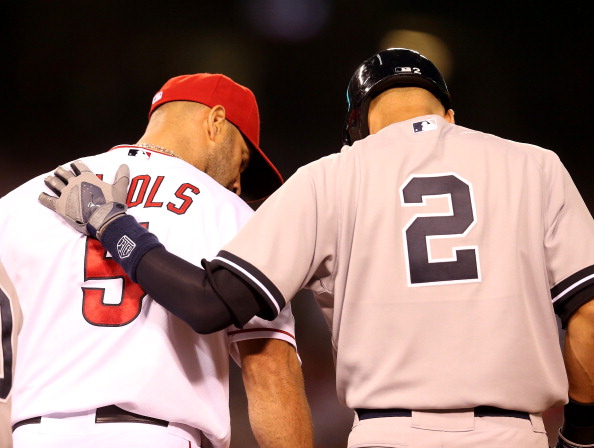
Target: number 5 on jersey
x,y
422,267
109,277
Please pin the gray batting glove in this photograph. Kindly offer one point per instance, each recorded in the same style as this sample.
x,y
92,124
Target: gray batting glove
x,y
86,202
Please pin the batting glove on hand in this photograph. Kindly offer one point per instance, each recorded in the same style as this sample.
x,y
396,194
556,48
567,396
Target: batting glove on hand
x,y
86,202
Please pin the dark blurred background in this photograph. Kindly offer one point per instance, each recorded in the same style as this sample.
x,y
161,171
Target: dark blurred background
x,y
78,78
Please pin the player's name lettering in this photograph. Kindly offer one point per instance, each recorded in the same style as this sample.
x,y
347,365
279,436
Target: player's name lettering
x,y
144,191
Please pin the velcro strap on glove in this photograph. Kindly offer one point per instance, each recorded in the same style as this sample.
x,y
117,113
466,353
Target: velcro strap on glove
x,y
103,215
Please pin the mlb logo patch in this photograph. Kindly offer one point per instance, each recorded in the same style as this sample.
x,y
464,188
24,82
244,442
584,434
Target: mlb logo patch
x,y
425,125
139,153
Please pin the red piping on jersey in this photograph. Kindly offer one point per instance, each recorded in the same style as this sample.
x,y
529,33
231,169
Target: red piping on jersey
x,y
231,333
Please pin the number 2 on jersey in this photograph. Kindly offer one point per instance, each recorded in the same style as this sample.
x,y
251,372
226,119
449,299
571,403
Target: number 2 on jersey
x,y
423,269
99,267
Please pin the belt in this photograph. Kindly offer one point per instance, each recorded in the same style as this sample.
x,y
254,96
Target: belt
x,y
479,411
107,414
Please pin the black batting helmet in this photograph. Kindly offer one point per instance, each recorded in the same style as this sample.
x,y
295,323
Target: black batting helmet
x,y
384,70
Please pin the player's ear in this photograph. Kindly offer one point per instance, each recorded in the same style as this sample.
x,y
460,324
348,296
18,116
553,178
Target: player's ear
x,y
215,122
449,116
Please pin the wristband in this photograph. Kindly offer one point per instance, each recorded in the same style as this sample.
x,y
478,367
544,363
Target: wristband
x,y
578,423
562,442
127,242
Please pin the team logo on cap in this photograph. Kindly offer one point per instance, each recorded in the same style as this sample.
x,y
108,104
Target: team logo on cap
x,y
425,125
157,96
125,247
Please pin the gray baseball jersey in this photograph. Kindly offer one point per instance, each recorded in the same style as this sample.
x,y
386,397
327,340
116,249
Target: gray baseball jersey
x,y
10,324
437,255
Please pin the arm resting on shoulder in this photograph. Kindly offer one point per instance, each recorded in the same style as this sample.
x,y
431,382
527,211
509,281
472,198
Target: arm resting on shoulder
x,y
206,299
207,302
279,412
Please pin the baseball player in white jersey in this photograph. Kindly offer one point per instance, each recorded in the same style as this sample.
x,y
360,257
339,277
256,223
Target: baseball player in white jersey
x,y
438,255
94,347
10,324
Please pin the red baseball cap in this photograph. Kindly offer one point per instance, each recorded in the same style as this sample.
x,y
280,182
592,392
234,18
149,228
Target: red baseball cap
x,y
261,178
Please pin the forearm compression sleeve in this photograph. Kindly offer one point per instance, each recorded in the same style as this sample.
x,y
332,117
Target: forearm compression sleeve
x,y
208,300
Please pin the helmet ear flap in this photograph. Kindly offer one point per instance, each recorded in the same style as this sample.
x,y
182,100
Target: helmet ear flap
x,y
387,69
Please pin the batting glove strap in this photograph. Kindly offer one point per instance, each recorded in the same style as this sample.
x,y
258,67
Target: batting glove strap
x,y
127,242
104,215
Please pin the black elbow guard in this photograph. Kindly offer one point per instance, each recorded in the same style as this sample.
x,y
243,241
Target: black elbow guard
x,y
241,300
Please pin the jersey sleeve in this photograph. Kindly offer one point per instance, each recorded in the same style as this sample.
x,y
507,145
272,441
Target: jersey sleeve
x,y
283,328
569,244
289,242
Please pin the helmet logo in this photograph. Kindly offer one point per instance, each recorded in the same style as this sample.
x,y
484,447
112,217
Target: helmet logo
x,y
413,70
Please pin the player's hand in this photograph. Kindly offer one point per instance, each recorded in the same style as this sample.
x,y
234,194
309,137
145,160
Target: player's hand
x,y
562,442
86,202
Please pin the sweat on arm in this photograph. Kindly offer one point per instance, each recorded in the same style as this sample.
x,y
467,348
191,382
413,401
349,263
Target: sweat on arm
x,y
208,299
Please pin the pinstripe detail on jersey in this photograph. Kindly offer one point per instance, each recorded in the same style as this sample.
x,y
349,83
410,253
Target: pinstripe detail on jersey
x,y
255,278
573,292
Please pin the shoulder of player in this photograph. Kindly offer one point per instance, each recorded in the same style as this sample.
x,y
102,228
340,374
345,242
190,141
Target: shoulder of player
x,y
25,191
179,172
543,157
491,141
311,174
177,187
325,163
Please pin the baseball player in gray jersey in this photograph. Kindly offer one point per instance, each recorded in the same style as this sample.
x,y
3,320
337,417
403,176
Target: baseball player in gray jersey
x,y
10,325
439,256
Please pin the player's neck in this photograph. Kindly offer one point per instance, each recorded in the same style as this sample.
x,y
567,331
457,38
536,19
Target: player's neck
x,y
179,132
157,148
379,121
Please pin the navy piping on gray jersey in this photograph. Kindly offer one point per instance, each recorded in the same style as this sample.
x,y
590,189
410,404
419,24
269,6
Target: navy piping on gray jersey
x,y
573,292
254,277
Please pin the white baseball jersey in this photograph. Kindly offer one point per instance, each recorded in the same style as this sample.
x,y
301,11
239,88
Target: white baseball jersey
x,y
432,250
10,324
91,337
